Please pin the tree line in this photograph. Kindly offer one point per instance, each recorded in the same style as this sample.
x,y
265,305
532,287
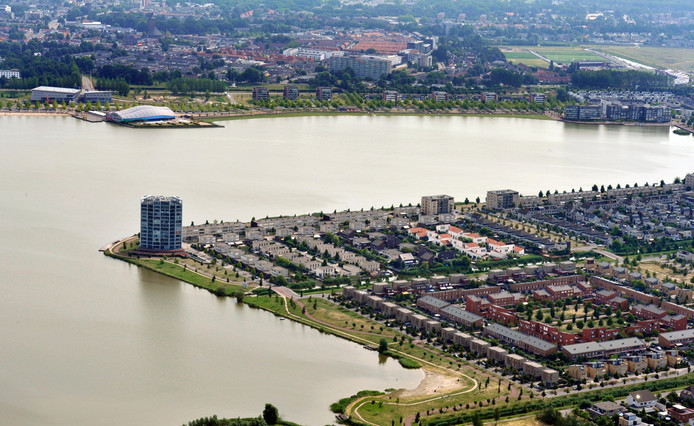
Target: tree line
x,y
118,85
624,80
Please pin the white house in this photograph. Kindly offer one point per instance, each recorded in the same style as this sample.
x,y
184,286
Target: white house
x,y
641,399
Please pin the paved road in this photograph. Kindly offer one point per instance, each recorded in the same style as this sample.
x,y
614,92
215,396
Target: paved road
x,y
232,100
285,292
87,83
544,58
612,256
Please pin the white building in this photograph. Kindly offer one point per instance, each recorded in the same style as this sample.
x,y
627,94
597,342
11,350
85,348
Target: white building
x,y
10,74
315,54
641,399
60,94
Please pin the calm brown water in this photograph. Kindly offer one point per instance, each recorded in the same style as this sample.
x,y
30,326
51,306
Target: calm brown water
x,y
89,340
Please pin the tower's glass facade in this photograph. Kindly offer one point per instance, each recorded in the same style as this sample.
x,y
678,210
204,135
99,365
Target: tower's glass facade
x,y
160,223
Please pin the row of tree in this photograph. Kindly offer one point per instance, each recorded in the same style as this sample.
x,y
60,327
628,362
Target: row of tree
x,y
622,80
185,85
118,85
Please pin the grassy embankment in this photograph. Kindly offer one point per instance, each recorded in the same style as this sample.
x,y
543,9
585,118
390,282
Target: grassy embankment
x,y
212,278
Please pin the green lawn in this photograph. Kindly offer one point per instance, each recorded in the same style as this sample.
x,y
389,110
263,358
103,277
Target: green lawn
x,y
519,55
566,55
219,286
560,55
526,58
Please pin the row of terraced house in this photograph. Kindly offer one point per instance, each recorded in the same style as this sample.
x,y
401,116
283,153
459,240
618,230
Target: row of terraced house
x,y
459,316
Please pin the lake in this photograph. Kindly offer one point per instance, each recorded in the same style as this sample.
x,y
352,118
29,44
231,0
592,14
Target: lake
x,y
88,339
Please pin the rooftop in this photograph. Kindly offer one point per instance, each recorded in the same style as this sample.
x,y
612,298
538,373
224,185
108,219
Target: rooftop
x,y
517,336
611,345
56,89
438,303
682,334
456,312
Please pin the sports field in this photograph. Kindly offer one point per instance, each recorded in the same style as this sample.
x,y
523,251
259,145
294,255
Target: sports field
x,y
659,57
524,57
560,55
566,55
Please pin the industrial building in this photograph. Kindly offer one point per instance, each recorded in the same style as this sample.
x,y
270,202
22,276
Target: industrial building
x,y
141,113
160,224
50,94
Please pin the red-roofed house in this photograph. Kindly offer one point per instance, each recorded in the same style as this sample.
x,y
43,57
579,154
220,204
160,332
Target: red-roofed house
x,y
476,238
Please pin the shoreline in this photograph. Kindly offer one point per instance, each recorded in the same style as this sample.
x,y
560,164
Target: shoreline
x,y
367,113
619,123
433,381
291,114
35,113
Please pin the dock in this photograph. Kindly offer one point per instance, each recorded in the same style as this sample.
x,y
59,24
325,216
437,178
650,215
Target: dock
x,y
91,116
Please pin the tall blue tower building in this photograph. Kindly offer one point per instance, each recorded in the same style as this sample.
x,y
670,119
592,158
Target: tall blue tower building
x,y
160,223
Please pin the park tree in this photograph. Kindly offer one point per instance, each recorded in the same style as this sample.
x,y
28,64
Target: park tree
x,y
270,414
382,346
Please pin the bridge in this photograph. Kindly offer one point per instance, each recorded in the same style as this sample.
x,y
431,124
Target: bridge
x,y
683,127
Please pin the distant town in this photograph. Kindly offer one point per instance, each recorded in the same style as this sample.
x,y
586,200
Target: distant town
x,y
574,63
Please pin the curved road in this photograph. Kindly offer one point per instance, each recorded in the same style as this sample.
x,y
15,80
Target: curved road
x,y
353,407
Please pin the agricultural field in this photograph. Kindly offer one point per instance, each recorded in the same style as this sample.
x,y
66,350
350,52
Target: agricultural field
x,y
659,57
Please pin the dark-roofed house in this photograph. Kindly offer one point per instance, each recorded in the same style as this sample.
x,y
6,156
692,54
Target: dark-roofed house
x,y
520,340
682,337
607,408
432,304
688,393
602,349
648,311
460,316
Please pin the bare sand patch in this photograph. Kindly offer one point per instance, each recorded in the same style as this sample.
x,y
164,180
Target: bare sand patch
x,y
435,382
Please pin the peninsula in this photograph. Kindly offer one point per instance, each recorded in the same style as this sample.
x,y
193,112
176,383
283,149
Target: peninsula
x,y
510,307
